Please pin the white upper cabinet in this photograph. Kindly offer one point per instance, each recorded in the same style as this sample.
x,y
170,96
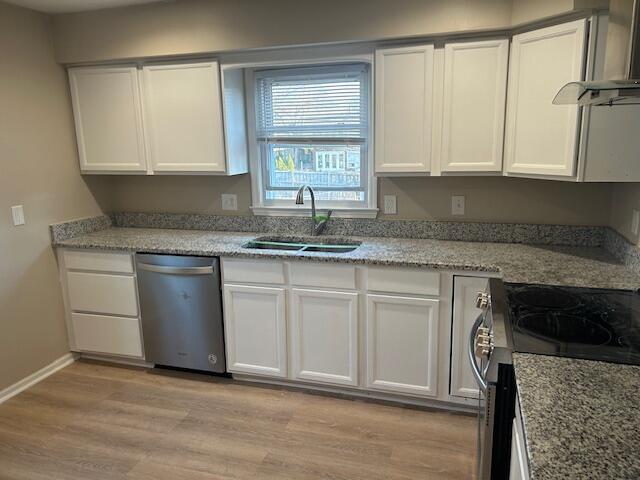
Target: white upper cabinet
x,y
108,118
183,117
169,118
403,109
541,138
474,91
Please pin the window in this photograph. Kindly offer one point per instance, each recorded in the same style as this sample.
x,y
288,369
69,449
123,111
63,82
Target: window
x,y
312,128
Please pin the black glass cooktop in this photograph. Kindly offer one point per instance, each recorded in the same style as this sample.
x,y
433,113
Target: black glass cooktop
x,y
589,323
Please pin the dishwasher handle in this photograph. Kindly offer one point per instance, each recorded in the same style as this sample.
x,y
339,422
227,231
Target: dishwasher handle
x,y
207,270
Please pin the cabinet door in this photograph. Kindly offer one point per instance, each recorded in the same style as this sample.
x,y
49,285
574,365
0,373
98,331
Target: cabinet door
x,y
324,336
475,88
254,321
465,312
108,118
403,109
541,138
402,344
183,117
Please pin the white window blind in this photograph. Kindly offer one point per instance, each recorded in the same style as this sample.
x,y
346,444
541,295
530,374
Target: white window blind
x,y
312,126
313,103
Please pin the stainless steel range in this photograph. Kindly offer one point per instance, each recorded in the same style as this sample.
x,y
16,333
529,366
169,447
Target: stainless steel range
x,y
490,353
584,323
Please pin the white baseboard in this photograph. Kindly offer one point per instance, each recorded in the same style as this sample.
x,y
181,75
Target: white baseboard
x,y
36,377
133,362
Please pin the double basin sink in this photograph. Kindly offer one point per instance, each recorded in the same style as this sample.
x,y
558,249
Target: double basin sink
x,y
334,245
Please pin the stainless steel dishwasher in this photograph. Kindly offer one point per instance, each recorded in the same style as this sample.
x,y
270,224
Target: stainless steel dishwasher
x,y
181,309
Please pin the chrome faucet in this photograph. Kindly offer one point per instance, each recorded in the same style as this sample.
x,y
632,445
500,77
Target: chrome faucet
x,y
318,225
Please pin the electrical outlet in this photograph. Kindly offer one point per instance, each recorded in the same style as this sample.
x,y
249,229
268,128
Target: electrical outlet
x,y
17,212
229,201
457,205
390,205
635,222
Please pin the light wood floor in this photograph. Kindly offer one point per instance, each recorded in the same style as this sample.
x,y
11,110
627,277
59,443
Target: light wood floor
x,y
94,421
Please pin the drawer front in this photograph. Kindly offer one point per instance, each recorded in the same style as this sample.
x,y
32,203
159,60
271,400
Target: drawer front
x,y
98,261
102,293
253,271
323,275
414,281
104,334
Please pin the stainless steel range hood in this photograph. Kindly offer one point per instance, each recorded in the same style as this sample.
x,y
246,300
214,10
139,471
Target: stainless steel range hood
x,y
621,63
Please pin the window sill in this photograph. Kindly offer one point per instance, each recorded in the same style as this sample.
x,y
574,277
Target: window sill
x,y
306,212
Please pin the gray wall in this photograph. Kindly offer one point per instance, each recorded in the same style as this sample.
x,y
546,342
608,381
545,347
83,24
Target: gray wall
x,y
625,198
38,169
197,26
491,199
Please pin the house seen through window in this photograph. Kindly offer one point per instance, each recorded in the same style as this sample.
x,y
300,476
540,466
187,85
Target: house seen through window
x,y
312,129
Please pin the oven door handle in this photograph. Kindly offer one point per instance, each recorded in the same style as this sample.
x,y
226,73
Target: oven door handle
x,y
475,369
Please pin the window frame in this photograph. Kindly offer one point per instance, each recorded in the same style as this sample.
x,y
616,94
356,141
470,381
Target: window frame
x,y
305,58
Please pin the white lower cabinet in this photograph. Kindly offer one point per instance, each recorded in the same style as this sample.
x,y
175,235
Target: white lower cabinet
x,y
101,299
324,336
381,329
402,344
255,330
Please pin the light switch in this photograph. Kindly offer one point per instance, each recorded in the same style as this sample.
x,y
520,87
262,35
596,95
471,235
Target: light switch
x,y
229,201
17,212
390,205
457,205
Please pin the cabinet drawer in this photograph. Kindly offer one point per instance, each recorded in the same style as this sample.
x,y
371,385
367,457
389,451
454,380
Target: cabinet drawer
x,y
323,275
104,334
414,281
253,271
98,261
101,293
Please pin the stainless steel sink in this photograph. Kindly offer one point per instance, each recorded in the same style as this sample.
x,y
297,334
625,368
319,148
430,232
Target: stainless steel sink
x,y
255,244
330,248
303,244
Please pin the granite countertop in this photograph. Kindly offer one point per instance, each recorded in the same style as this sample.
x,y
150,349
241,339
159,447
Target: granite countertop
x,y
581,417
520,263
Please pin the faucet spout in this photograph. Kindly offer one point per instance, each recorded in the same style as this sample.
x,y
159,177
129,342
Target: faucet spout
x,y
318,225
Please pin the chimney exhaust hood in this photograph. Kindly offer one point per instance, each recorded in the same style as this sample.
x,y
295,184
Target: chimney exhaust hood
x,y
621,63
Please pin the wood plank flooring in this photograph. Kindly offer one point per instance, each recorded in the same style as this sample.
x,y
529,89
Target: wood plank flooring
x,y
97,421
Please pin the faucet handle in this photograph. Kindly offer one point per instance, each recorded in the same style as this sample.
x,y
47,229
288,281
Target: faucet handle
x,y
319,225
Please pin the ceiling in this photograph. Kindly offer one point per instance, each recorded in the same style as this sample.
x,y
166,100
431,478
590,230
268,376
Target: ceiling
x,y
66,6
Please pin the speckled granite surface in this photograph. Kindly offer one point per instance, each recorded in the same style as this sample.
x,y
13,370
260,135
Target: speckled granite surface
x,y
556,265
581,417
73,228
575,235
